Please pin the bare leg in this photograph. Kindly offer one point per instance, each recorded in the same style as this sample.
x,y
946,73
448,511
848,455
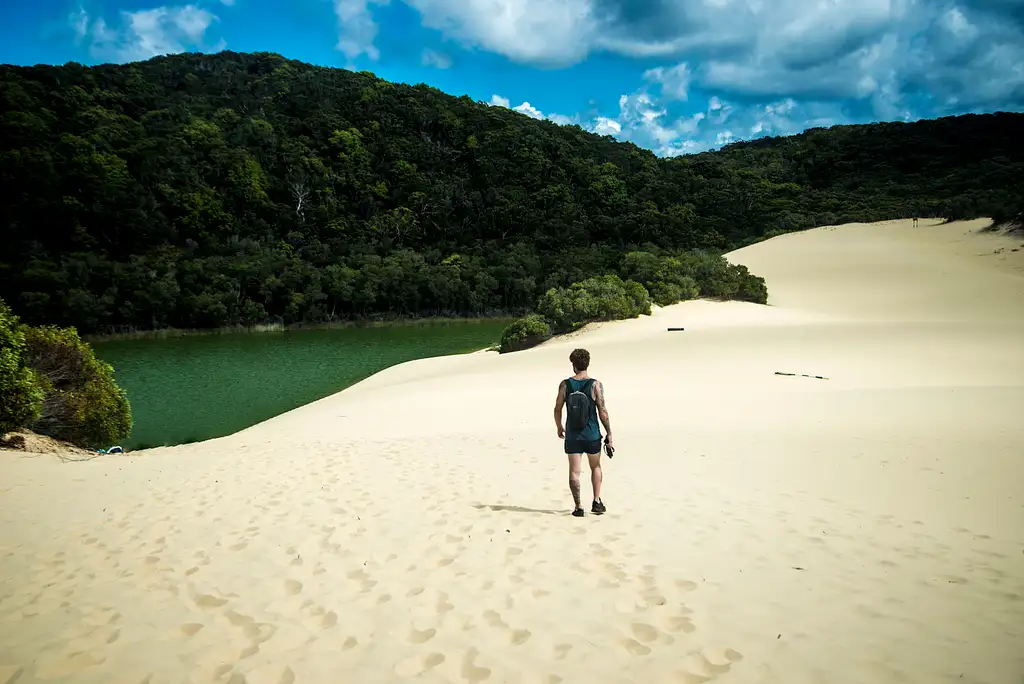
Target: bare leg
x,y
596,475
575,462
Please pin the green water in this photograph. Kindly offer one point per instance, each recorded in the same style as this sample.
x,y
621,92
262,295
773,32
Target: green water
x,y
186,389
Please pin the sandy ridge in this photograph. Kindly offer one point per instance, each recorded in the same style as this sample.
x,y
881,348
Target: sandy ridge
x,y
761,528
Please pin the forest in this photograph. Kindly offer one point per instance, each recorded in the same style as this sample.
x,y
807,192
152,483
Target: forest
x,y
201,191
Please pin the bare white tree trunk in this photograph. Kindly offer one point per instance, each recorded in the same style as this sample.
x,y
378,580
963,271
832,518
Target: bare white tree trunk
x,y
300,193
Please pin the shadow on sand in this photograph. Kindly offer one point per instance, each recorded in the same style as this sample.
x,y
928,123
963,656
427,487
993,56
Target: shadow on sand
x,y
520,509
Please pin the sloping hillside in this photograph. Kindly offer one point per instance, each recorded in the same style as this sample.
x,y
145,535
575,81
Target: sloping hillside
x,y
210,190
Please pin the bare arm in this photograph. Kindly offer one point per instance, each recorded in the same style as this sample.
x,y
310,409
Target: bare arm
x,y
559,403
602,408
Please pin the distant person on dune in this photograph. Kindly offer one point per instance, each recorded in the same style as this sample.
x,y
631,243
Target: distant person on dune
x,y
583,398
915,222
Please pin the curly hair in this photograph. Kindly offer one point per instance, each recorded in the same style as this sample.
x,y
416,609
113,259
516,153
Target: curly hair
x,y
580,359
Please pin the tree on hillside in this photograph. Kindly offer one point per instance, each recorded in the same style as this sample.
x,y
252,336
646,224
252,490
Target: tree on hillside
x,y
234,189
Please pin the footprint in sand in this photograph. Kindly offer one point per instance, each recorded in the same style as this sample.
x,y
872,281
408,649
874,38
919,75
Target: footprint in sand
x,y
701,666
494,619
418,665
443,604
562,650
634,647
421,637
520,636
292,587
266,674
681,624
644,632
470,671
190,629
652,600
208,601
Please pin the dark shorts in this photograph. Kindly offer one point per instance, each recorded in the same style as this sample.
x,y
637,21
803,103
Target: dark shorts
x,y
582,446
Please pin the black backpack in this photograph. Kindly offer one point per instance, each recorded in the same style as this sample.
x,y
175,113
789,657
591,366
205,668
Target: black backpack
x,y
577,405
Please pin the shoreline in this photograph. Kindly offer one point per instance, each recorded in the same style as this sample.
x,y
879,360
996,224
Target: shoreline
x,y
169,333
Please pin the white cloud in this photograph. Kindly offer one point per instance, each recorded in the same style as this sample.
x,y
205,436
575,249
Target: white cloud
x,y
146,33
647,121
675,81
606,126
79,23
553,32
356,28
531,111
435,59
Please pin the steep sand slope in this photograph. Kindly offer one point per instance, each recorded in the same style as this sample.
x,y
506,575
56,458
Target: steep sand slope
x,y
868,527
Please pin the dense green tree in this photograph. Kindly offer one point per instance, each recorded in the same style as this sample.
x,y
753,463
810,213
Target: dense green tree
x,y
525,332
601,298
82,404
21,398
234,189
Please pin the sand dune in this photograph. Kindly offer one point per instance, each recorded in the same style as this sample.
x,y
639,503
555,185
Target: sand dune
x,y
760,528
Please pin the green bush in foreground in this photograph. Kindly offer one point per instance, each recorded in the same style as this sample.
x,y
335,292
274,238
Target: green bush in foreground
x,y
82,403
20,395
525,332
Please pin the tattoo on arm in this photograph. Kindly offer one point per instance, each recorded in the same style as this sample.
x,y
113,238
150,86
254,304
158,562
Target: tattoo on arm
x,y
602,408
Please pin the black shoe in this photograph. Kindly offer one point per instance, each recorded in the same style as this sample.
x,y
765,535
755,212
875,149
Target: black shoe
x,y
598,508
578,513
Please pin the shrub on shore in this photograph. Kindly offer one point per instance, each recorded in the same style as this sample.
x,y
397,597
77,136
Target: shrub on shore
x,y
524,333
82,404
602,298
52,383
672,278
21,398
665,279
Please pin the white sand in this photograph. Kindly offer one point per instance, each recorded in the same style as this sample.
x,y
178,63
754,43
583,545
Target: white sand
x,y
760,528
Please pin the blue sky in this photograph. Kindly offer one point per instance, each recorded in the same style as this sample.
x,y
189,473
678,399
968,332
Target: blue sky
x,y
673,76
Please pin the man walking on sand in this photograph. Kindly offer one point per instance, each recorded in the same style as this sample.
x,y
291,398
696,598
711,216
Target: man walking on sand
x,y
583,399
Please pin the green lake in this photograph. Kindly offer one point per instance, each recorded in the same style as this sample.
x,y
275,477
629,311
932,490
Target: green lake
x,y
185,389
